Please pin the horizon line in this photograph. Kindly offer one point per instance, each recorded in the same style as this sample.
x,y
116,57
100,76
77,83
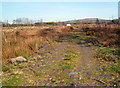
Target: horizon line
x,y
38,20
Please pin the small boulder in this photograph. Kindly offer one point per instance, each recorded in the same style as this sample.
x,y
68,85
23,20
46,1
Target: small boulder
x,y
72,73
18,59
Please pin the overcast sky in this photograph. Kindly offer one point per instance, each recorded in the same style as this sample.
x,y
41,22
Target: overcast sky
x,y
59,11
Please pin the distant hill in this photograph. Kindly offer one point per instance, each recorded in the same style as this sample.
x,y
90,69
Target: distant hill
x,y
87,21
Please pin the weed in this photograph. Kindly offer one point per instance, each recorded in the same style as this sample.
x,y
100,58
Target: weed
x,y
100,45
113,68
26,56
4,68
65,66
21,67
70,56
39,74
67,59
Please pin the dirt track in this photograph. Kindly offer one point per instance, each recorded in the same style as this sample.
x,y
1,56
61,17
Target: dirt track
x,y
66,62
69,61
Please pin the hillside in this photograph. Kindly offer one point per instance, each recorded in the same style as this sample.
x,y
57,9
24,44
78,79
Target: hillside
x,y
87,20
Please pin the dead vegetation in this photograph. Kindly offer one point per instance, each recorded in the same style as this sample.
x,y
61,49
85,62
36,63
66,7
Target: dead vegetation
x,y
108,35
24,41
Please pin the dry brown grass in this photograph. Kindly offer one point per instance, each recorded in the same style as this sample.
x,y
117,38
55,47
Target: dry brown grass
x,y
108,35
19,42
24,41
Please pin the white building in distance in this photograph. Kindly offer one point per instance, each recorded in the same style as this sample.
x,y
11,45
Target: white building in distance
x,y
68,25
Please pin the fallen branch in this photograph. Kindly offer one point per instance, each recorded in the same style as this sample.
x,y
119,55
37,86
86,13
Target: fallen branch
x,y
100,81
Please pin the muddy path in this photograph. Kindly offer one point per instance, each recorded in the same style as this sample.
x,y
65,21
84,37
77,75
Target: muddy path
x,y
69,61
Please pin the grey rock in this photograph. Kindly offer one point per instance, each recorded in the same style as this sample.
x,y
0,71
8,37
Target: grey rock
x,y
71,73
17,59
